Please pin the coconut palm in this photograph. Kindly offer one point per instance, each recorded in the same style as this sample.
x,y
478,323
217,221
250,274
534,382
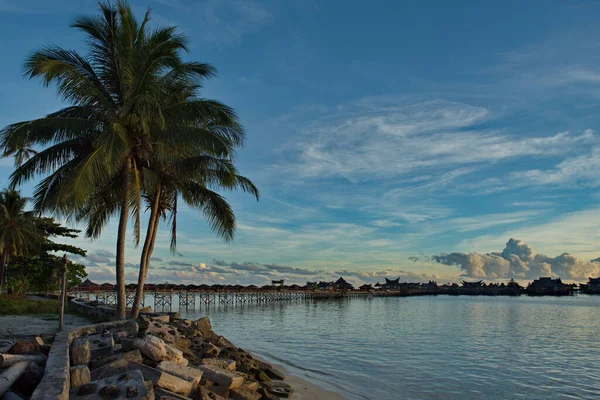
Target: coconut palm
x,y
19,234
195,190
117,122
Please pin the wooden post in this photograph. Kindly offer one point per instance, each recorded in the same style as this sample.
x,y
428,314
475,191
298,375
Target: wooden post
x,y
63,294
8,377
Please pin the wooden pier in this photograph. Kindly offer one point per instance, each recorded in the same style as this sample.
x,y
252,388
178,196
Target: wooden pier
x,y
190,299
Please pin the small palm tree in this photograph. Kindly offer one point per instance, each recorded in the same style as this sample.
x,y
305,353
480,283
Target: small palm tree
x,y
19,234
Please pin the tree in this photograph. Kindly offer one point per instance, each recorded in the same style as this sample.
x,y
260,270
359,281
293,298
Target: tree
x,y
117,122
19,234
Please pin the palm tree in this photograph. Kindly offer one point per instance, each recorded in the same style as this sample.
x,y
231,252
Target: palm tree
x,y
117,122
195,191
19,234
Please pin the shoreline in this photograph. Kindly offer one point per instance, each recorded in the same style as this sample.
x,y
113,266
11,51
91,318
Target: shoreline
x,y
303,388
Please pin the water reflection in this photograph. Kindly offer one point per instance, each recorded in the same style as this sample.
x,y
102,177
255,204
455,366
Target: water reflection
x,y
428,347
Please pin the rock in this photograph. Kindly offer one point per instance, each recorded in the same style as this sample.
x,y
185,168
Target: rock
x,y
222,391
204,326
189,374
274,373
23,347
156,349
146,309
251,385
164,331
127,344
162,379
162,394
221,376
243,394
133,355
117,336
219,362
128,385
80,375
185,327
206,394
224,342
278,388
81,351
101,345
118,366
262,377
161,318
204,348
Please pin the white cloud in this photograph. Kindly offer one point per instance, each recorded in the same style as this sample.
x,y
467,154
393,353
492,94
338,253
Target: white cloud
x,y
519,261
374,141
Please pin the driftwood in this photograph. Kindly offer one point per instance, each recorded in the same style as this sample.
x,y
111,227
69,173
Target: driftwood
x,y
8,360
8,377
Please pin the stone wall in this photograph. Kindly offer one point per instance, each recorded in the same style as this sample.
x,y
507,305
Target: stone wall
x,y
97,312
56,383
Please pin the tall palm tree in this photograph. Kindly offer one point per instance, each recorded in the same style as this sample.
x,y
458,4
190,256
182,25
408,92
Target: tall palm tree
x,y
116,123
19,234
195,190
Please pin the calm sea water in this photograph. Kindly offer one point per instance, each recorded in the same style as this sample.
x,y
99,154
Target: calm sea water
x,y
428,347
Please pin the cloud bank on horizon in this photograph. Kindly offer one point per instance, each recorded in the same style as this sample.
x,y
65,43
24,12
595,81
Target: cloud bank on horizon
x,y
519,261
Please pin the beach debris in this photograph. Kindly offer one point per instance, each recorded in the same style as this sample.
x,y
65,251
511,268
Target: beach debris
x,y
9,376
206,394
8,360
114,387
133,355
23,347
162,394
219,362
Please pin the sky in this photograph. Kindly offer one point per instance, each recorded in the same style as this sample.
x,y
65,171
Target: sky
x,y
427,140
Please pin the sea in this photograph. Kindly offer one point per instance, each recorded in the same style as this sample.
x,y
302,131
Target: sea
x,y
427,347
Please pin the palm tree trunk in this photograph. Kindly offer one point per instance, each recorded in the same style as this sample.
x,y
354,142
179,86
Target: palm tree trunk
x,y
3,261
145,258
122,232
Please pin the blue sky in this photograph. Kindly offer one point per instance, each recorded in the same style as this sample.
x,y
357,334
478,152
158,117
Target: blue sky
x,y
382,135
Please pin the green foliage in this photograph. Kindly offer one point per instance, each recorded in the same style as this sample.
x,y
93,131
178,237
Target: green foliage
x,y
10,305
41,274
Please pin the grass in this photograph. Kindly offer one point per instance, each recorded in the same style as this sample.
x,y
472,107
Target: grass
x,y
26,306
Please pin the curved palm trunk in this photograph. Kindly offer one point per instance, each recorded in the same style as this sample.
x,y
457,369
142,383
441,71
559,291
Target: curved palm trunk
x,y
146,253
120,262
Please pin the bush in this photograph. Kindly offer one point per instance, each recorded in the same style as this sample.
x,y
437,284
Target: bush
x,y
10,305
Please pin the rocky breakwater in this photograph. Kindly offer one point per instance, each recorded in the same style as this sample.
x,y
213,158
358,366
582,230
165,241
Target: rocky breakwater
x,y
169,358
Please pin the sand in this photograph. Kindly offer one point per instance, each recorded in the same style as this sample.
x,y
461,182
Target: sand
x,y
303,389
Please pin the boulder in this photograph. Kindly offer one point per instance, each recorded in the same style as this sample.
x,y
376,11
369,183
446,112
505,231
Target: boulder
x,y
101,345
114,367
129,385
80,375
221,376
223,342
80,351
133,355
157,350
203,348
251,385
189,374
243,394
162,379
23,347
162,394
206,394
278,388
204,326
219,362
222,391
